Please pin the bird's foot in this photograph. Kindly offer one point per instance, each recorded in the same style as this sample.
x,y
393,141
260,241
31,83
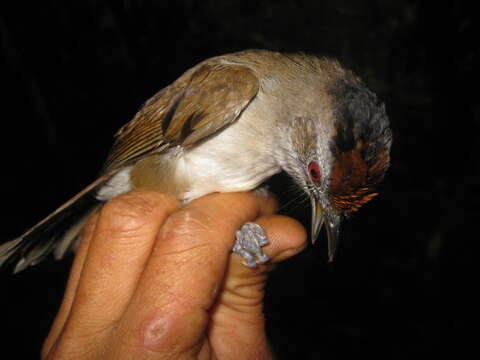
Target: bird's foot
x,y
250,239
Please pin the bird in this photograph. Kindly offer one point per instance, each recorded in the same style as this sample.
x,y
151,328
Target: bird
x,y
228,124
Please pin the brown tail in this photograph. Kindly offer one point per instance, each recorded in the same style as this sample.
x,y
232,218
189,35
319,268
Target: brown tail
x,y
56,233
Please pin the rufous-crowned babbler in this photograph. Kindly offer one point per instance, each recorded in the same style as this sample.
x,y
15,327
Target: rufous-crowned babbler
x,y
228,124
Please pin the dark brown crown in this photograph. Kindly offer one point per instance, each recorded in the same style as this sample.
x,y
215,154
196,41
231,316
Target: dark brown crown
x,y
361,146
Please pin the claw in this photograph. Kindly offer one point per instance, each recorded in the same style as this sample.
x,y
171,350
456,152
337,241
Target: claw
x,y
250,239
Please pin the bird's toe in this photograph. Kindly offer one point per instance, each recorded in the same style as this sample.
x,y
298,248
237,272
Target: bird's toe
x,y
249,241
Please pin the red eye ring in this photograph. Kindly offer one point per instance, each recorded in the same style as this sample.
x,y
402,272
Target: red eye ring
x,y
314,171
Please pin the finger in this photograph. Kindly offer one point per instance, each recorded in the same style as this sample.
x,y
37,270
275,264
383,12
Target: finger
x,y
239,307
64,311
286,236
124,236
244,287
169,312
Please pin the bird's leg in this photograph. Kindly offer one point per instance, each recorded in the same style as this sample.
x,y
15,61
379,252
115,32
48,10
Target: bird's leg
x,y
250,239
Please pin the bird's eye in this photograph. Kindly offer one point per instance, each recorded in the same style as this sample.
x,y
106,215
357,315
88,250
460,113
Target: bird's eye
x,y
314,171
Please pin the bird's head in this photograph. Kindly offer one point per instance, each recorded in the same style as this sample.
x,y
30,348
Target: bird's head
x,y
342,164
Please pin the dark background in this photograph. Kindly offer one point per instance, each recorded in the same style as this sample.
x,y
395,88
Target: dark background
x,y
401,287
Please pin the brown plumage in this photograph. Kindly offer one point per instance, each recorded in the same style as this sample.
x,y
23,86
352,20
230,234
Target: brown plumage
x,y
200,103
353,181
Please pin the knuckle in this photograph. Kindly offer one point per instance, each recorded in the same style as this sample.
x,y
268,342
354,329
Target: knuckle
x,y
133,210
189,231
190,235
186,223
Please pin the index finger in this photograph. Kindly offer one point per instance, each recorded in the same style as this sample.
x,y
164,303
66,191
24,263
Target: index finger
x,y
185,271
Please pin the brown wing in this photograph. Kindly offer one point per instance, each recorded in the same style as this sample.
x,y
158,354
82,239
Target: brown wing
x,y
201,102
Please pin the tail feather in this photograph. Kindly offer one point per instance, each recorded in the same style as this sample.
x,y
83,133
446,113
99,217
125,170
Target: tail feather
x,y
68,241
9,248
56,233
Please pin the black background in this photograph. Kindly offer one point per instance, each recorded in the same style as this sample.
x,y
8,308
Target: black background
x,y
402,286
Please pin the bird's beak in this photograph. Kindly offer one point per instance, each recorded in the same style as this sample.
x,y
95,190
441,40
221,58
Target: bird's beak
x,y
317,219
332,224
333,231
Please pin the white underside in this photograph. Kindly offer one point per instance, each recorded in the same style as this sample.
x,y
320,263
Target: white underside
x,y
117,185
238,158
234,160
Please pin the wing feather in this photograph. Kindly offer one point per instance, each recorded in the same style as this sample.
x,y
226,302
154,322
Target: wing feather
x,y
201,102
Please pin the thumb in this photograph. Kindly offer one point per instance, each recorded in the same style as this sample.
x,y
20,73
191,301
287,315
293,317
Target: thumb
x,y
243,286
286,236
239,308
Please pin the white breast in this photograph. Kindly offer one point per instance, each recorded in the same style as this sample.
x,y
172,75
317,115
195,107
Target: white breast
x,y
234,160
238,158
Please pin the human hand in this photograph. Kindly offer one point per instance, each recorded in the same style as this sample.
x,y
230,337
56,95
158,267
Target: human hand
x,y
153,280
